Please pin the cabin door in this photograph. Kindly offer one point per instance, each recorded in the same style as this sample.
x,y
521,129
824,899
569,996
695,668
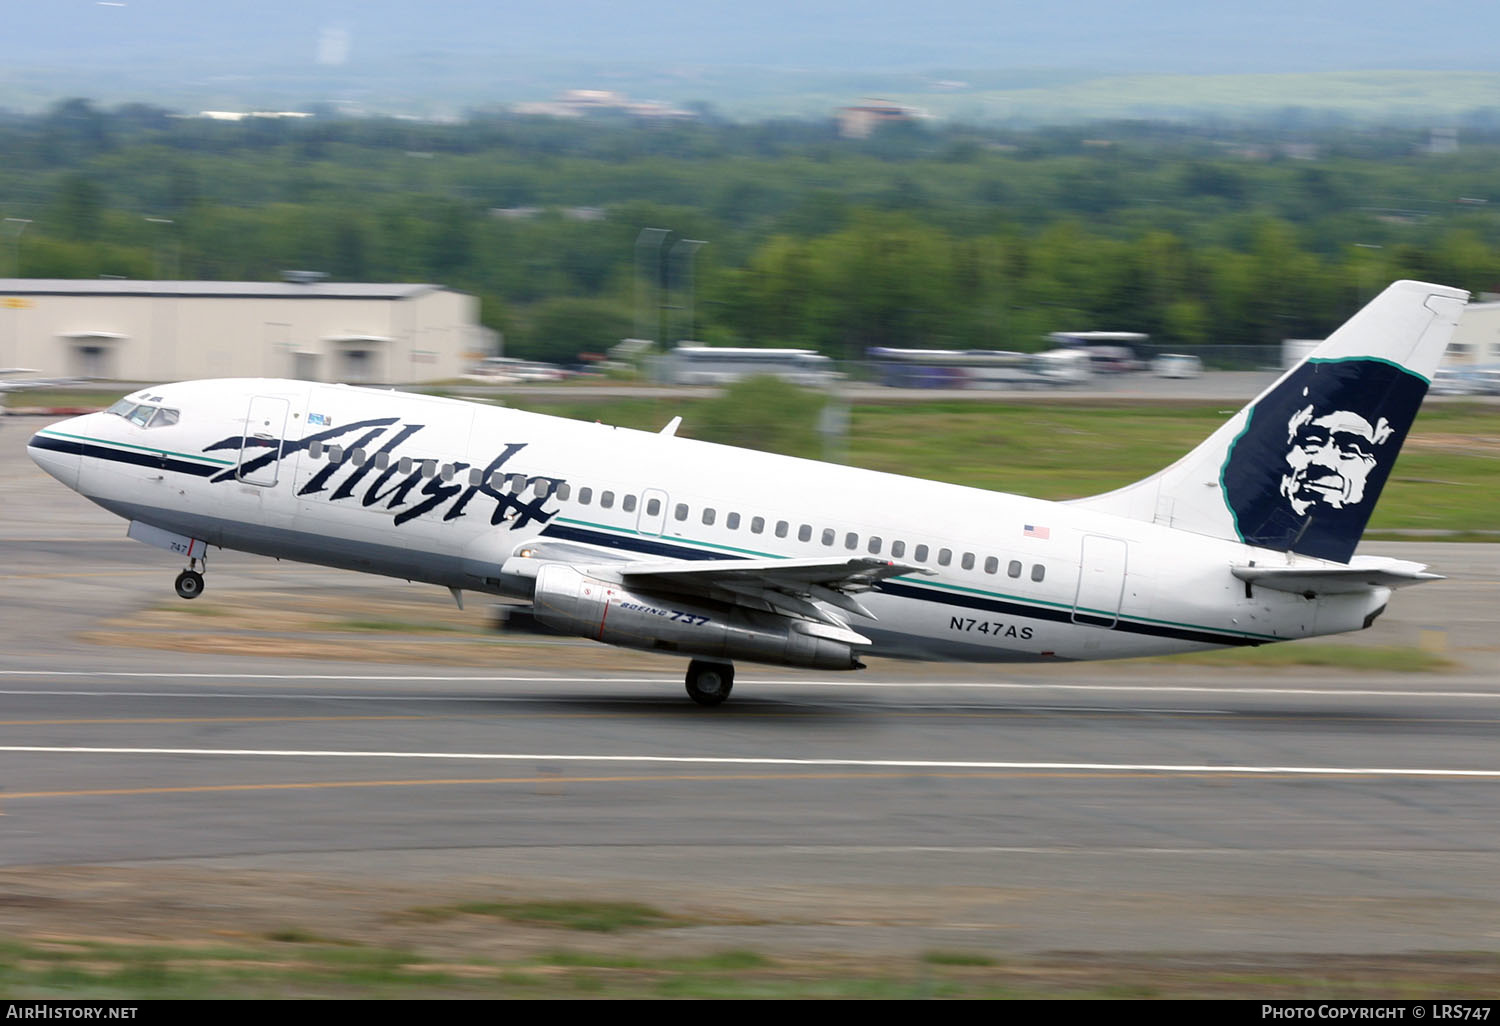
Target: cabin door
x,y
265,435
1101,581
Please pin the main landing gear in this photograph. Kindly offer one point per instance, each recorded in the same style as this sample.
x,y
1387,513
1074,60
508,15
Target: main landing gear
x,y
709,683
190,582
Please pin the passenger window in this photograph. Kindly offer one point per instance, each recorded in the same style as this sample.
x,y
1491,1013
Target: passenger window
x,y
357,456
628,504
968,561
757,525
653,507
403,466
1038,572
874,546
315,450
607,500
851,541
828,535
708,517
991,565
382,460
898,549
920,553
732,522
781,528
1013,569
517,482
804,533
681,511
429,468
945,556
563,491
446,474
476,477
335,454
585,496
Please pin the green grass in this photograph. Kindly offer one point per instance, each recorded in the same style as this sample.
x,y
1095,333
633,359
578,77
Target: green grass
x,y
1394,659
967,958
42,397
195,608
593,916
297,963
396,626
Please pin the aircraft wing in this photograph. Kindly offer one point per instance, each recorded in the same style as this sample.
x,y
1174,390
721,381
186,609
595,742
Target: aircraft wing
x,y
801,588
1362,573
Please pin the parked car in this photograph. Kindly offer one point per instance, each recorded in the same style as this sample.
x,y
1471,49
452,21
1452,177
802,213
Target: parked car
x,y
1177,365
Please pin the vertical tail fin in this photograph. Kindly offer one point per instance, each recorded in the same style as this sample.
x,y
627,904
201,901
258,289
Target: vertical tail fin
x,y
1300,468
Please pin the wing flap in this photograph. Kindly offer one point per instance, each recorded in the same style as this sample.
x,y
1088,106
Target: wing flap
x,y
824,579
803,588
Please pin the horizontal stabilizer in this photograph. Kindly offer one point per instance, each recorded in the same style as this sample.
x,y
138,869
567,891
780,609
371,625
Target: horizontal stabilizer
x,y
1362,574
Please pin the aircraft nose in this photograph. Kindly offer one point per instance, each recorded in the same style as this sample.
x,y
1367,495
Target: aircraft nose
x,y
56,453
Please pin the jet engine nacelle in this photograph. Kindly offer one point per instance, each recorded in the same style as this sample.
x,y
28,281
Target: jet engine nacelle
x,y
575,603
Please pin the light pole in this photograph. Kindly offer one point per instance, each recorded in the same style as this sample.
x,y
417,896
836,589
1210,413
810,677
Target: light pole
x,y
167,222
648,238
15,243
1367,290
693,245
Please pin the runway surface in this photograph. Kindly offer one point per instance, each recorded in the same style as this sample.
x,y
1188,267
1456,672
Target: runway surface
x,y
1111,809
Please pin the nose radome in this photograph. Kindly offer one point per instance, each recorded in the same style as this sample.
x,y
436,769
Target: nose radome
x,y
57,456
58,450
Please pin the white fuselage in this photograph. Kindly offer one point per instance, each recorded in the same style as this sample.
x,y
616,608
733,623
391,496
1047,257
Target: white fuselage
x,y
445,491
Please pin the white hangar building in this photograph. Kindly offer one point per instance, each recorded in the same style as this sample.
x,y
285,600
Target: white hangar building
x,y
1476,340
125,330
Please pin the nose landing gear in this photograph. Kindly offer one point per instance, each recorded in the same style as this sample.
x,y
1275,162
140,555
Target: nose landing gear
x,y
189,583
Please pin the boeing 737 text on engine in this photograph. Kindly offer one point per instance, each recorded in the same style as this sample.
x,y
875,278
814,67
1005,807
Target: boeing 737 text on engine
x,y
718,554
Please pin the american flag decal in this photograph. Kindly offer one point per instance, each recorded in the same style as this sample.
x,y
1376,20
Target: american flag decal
x,y
1032,531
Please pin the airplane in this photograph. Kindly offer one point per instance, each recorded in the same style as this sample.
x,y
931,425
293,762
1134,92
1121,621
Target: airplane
x,y
718,554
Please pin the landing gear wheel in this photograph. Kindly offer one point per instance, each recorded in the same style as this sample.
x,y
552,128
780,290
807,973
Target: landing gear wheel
x,y
709,683
190,584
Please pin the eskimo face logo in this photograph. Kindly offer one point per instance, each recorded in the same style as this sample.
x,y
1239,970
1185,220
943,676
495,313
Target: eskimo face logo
x,y
1331,457
1305,472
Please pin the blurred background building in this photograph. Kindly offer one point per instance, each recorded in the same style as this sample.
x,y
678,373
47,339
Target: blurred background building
x,y
127,330
1476,340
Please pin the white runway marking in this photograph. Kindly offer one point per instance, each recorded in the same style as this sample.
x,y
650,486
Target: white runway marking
x,y
712,760
744,682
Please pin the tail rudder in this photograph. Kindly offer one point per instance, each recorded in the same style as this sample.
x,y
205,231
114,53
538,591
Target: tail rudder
x,y
1300,468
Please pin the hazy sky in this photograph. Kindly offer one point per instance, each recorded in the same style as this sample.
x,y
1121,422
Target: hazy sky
x,y
1167,35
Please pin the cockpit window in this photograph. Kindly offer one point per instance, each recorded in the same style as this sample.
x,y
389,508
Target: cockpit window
x,y
143,414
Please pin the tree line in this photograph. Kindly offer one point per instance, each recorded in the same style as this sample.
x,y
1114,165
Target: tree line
x,y
921,236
